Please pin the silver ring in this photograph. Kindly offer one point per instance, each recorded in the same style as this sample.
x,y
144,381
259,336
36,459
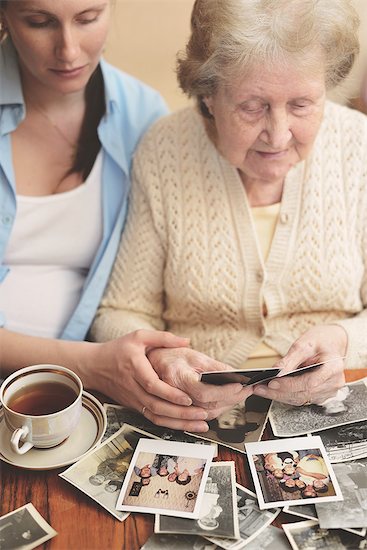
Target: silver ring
x,y
143,410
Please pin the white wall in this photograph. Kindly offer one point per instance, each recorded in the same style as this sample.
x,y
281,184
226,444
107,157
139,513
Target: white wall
x,y
146,35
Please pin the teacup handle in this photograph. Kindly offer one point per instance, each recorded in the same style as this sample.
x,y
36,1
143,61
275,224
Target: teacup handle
x,y
17,436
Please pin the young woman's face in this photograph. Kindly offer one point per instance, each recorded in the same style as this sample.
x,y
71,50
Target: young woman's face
x,y
59,43
267,121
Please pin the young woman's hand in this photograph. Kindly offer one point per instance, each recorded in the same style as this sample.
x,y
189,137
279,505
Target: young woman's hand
x,y
120,369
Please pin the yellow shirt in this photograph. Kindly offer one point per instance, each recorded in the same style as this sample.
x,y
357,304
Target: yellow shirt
x,y
265,219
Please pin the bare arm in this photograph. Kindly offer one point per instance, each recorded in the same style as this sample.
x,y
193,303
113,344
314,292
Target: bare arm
x,y
118,368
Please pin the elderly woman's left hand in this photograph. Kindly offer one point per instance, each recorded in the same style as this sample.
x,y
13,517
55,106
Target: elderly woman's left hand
x,y
321,343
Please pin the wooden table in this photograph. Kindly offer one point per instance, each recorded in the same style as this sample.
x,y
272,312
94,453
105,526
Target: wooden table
x,y
82,524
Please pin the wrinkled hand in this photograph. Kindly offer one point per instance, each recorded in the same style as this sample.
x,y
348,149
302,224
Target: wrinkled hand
x,y
318,344
121,370
182,368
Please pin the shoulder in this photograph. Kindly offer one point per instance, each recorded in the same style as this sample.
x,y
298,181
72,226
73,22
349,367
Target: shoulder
x,y
178,132
344,121
128,93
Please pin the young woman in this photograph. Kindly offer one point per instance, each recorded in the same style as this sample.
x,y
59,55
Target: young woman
x,y
69,123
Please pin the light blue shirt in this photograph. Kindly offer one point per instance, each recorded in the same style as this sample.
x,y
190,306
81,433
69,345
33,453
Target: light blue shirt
x,y
131,107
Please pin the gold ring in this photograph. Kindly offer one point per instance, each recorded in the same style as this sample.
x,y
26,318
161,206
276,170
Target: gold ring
x,y
143,410
306,404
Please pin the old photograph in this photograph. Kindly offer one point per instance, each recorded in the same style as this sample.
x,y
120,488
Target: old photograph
x,y
252,520
352,511
307,511
101,473
177,542
290,471
166,477
345,443
243,423
218,513
306,535
24,528
117,416
271,538
350,406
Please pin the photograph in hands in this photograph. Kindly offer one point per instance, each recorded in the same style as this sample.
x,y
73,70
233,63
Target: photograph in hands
x,y
244,423
166,477
101,473
218,512
252,520
349,405
292,471
24,528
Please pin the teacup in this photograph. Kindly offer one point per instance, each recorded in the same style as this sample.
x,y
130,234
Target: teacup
x,y
42,405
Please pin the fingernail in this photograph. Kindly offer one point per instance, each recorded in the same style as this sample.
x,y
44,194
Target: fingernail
x,y
274,385
201,415
186,402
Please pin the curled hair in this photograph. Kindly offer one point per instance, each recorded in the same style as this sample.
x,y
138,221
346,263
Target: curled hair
x,y
228,36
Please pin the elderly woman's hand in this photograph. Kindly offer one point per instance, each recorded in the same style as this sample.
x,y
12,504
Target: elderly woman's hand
x,y
120,369
321,343
181,368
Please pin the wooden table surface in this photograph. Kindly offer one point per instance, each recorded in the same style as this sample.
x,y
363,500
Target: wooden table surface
x,y
80,522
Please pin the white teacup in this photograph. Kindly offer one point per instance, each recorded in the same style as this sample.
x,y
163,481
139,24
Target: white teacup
x,y
42,406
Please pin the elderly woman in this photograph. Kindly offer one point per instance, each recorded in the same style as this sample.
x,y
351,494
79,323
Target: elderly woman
x,y
247,227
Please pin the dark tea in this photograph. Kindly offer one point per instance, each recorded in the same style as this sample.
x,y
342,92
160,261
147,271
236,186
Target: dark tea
x,y
42,398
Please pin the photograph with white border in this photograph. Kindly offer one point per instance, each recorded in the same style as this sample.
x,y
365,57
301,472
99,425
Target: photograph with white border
x,y
24,528
182,485
290,471
218,512
252,520
101,472
306,535
352,511
348,406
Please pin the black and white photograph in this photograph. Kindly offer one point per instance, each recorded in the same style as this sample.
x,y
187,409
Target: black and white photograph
x,y
252,520
345,443
117,416
101,473
166,477
24,529
308,535
178,542
307,511
243,423
271,538
352,511
218,512
348,406
290,471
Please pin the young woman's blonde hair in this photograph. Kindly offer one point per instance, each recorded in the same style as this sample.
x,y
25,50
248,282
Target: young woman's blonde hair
x,y
228,36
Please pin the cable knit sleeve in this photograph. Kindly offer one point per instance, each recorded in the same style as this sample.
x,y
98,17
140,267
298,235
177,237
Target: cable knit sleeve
x,y
134,297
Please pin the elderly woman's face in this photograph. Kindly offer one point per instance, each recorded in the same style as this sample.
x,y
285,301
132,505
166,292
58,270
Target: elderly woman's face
x,y
267,121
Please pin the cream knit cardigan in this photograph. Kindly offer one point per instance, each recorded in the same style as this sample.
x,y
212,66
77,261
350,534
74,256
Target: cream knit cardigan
x,y
190,260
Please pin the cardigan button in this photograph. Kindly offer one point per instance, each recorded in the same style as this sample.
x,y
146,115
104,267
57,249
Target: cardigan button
x,y
284,218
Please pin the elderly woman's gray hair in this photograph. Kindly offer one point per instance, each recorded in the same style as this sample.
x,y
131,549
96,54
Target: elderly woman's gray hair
x,y
228,36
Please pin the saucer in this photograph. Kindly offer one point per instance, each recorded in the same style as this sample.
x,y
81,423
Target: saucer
x,y
87,434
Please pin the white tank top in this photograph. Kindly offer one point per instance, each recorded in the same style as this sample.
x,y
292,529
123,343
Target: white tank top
x,y
51,248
